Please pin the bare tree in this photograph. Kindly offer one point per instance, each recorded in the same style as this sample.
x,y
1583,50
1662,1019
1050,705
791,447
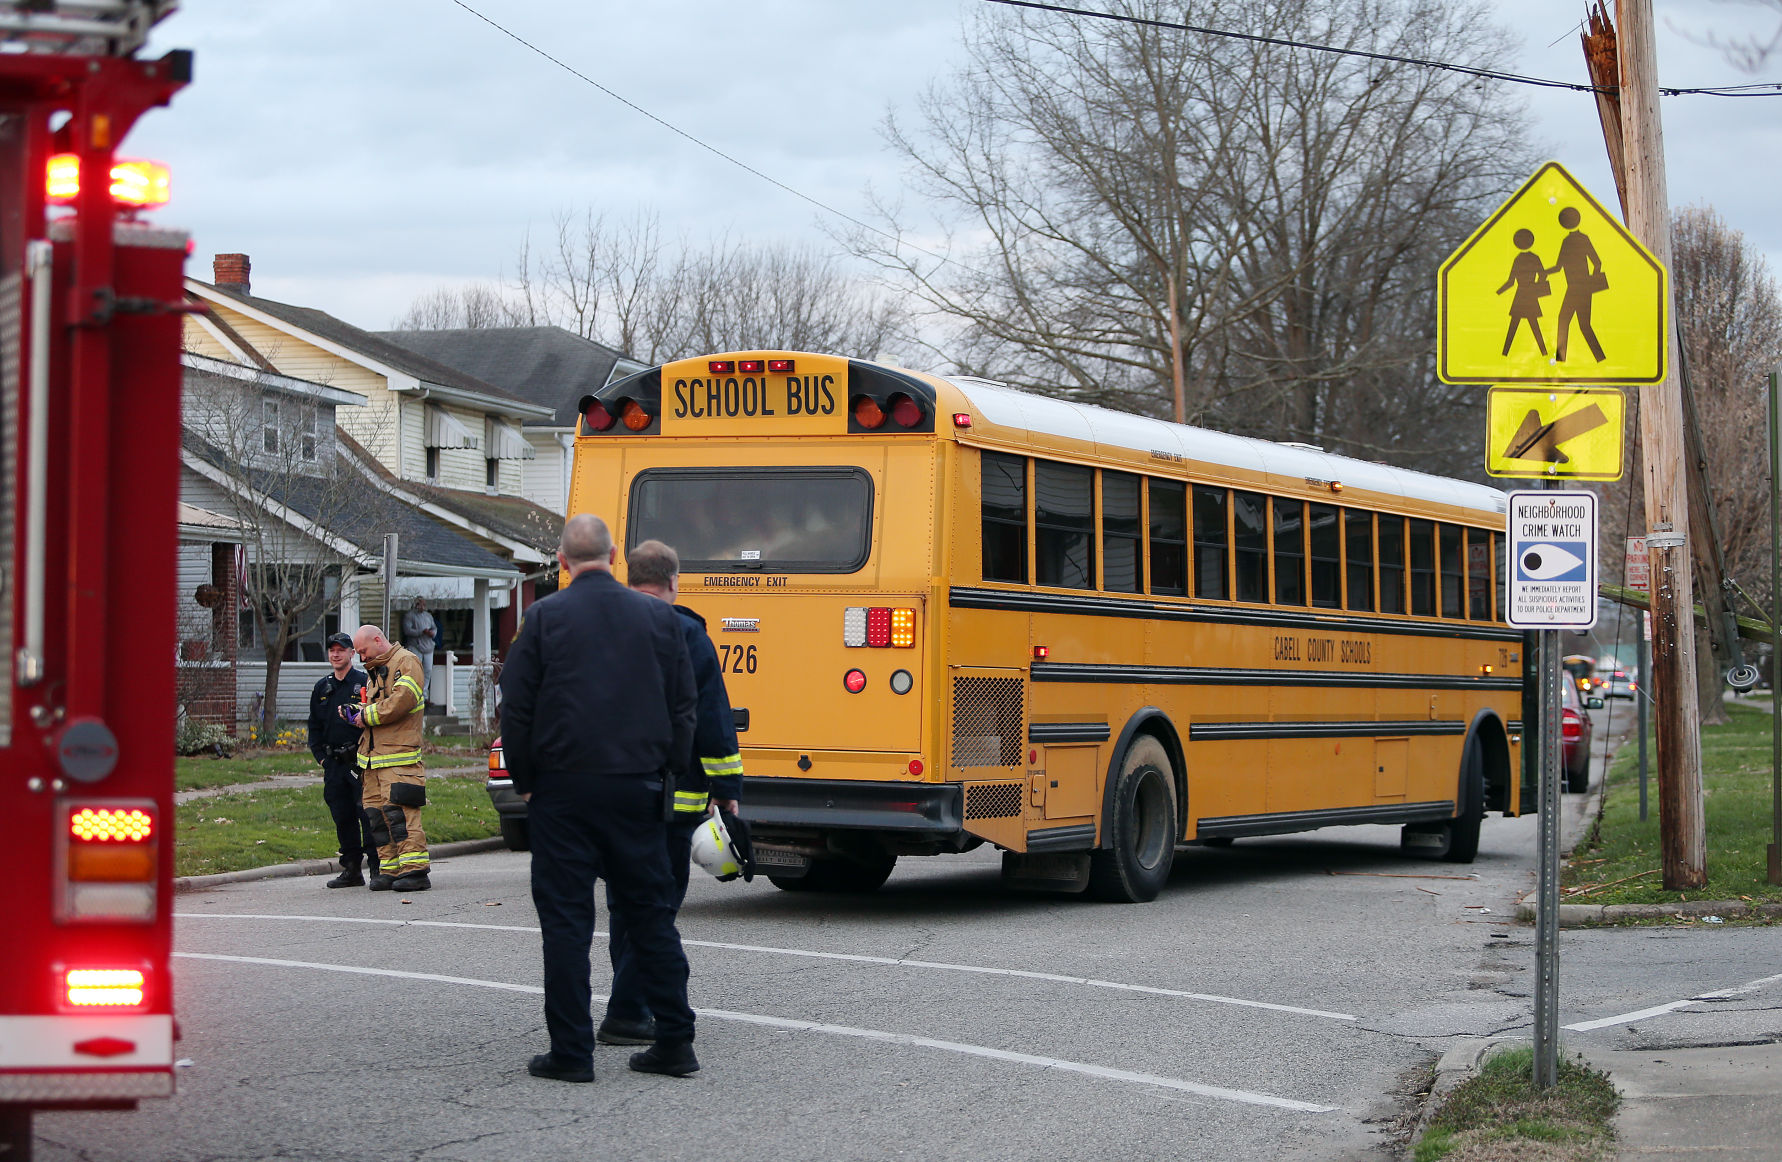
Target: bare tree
x,y
622,285
275,465
1749,53
456,308
1221,230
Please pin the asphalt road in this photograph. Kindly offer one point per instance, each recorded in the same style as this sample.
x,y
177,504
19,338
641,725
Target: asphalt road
x,y
1281,1000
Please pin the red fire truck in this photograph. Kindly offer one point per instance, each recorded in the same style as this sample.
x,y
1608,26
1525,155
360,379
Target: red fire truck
x,y
90,301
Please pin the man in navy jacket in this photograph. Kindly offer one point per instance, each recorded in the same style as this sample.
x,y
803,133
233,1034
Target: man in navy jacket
x,y
598,708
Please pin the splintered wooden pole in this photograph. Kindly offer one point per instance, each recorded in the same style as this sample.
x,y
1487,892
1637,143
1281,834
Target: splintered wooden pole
x,y
1682,829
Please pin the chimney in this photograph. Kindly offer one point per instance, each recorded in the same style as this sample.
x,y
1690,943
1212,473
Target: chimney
x,y
231,272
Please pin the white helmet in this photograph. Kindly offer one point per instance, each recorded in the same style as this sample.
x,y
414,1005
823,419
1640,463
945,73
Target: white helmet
x,y
714,851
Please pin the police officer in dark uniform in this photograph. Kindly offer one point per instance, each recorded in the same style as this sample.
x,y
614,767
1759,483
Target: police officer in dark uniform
x,y
711,773
598,706
335,743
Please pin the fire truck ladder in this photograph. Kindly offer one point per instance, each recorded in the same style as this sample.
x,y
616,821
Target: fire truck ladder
x,y
79,27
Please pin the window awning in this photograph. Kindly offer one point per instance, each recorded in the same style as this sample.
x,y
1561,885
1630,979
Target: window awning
x,y
445,431
504,442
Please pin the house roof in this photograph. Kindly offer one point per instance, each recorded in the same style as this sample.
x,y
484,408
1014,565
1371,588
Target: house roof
x,y
374,347
424,540
511,518
542,365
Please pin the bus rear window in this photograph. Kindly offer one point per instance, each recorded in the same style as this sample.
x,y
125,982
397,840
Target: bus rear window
x,y
777,520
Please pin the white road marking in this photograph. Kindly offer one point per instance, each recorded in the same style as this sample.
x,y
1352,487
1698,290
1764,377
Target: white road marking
x,y
890,961
1101,1071
1661,1010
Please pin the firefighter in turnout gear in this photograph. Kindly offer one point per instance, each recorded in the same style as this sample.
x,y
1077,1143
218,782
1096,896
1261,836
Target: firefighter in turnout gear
x,y
710,774
395,785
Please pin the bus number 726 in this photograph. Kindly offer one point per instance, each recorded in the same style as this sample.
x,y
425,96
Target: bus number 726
x,y
737,659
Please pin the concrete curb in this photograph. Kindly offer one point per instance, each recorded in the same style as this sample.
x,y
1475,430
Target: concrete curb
x,y
1590,915
322,867
1460,1062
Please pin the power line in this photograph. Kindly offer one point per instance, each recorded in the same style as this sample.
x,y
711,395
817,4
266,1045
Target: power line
x,y
1758,89
673,128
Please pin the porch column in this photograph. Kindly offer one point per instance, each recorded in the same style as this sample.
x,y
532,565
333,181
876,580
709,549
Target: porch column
x,y
479,643
350,620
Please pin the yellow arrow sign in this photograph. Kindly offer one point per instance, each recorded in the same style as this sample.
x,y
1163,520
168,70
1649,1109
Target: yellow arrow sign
x,y
1571,433
1551,289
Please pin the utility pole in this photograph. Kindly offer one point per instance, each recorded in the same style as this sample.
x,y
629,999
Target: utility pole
x,y
1681,822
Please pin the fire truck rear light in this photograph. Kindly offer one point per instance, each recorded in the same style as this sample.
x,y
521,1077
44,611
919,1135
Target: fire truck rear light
x,y
781,365
111,863
130,903
634,415
854,626
105,987
867,413
878,628
751,366
722,366
104,1047
133,183
104,824
903,628
906,412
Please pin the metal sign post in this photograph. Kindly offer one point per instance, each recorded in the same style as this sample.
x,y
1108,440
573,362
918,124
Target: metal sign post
x,y
1637,570
1552,586
1775,850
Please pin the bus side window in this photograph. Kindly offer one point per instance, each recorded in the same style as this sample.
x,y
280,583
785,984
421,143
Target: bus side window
x,y
1448,544
1212,567
1120,532
1497,558
1358,534
1249,511
1326,536
1392,564
1169,537
1063,518
1005,517
1290,551
1478,576
1423,574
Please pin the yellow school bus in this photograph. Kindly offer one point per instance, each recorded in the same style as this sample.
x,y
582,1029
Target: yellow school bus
x,y
953,613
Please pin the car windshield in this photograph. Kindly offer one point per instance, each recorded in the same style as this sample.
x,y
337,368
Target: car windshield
x,y
776,520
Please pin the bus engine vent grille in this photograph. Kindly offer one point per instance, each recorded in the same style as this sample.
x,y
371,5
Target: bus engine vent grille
x,y
993,800
989,722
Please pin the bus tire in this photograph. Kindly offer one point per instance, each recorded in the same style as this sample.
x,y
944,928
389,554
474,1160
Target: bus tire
x,y
1463,829
516,833
856,877
1140,830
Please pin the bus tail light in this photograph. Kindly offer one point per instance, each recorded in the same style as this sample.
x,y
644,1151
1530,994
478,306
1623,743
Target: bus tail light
x,y
878,627
110,862
962,419
906,412
854,681
750,366
721,366
598,417
785,366
104,988
867,413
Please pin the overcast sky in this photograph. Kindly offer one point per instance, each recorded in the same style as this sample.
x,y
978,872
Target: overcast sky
x,y
364,153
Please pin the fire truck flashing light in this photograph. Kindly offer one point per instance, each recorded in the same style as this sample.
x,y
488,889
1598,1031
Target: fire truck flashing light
x,y
142,184
105,987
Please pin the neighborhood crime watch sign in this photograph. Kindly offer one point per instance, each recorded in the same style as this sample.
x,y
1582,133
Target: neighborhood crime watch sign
x,y
726,395
1552,560
1558,432
1551,289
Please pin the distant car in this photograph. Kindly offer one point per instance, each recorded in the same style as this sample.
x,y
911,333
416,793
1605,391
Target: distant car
x,y
1619,684
1575,730
516,832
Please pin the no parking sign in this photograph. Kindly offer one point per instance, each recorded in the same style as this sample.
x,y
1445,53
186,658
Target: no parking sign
x,y
1552,565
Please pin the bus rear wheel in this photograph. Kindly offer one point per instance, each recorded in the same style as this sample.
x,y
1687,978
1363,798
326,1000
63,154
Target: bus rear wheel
x,y
1463,829
1141,828
859,877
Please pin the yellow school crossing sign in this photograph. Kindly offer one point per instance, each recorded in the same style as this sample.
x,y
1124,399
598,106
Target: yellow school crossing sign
x,y
1551,289
1571,433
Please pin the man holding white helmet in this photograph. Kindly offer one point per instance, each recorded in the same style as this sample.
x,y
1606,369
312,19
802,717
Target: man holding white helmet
x,y
711,776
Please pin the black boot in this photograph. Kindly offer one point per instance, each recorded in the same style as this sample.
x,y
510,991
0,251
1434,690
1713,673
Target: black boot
x,y
414,881
674,1058
350,876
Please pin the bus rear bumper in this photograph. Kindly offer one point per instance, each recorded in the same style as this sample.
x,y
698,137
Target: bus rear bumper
x,y
935,809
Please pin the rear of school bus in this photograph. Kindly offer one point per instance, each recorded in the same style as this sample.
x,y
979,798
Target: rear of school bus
x,y
803,495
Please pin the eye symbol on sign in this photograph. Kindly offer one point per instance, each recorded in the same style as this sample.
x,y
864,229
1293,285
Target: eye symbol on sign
x,y
1550,562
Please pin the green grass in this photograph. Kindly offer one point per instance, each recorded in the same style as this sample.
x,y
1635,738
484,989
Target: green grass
x,y
257,828
1499,1114
1622,853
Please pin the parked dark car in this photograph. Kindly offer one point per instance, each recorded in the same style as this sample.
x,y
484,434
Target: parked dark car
x,y
515,831
1575,730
